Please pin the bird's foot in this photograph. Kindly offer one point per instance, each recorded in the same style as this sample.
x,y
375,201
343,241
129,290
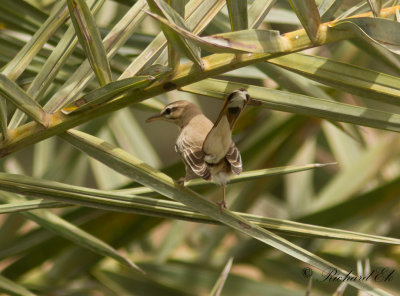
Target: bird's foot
x,y
222,205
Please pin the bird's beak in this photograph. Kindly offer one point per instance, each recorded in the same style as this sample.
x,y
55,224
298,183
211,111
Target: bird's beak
x,y
154,118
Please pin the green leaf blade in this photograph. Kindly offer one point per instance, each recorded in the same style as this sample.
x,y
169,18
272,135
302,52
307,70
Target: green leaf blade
x,y
290,102
112,42
357,80
10,287
20,62
60,194
90,39
21,100
308,14
380,31
144,174
189,49
376,6
52,66
237,14
258,11
105,93
246,41
62,227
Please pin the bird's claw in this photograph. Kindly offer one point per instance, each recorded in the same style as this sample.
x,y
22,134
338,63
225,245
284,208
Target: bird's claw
x,y
222,205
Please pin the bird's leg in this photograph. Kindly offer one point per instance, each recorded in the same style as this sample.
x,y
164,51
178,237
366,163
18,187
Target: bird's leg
x,y
181,181
222,203
189,176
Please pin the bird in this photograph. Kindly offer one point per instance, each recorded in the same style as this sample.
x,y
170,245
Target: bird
x,y
206,148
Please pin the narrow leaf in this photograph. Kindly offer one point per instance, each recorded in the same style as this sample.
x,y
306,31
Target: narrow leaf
x,y
368,165
173,55
126,164
300,104
217,289
178,6
358,206
112,42
156,71
90,39
216,64
354,79
258,174
308,14
251,41
12,92
328,8
355,10
19,63
376,6
65,194
63,228
299,188
12,288
52,66
129,134
29,205
198,15
3,118
380,31
107,92
237,14
258,11
186,47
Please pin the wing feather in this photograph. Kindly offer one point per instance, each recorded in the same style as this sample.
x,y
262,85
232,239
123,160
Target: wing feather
x,y
234,158
193,156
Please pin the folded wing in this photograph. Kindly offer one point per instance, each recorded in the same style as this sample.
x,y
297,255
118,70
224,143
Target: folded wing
x,y
234,159
193,156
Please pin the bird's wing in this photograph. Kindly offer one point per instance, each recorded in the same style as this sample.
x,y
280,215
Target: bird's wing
x,y
234,158
193,156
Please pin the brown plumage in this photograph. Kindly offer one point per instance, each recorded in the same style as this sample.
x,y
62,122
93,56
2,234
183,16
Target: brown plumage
x,y
207,149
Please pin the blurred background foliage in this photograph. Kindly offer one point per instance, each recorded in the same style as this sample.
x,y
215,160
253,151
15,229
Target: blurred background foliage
x,y
359,193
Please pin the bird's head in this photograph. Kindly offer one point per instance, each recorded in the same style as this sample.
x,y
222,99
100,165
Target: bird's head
x,y
178,112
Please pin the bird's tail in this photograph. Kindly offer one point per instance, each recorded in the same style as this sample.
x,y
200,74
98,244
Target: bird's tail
x,y
219,139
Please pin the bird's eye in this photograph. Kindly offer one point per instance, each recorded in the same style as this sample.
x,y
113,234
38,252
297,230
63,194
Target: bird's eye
x,y
167,111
